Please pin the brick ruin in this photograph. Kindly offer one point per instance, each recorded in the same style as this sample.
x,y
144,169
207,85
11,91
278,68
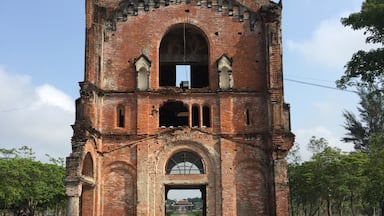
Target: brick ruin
x,y
170,82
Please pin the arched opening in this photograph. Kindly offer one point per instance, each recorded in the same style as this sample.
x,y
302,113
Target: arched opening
x,y
184,163
87,166
187,198
119,185
184,46
195,116
87,194
247,117
120,116
174,114
206,116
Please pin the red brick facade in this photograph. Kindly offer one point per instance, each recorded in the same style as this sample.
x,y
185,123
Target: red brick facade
x,y
133,117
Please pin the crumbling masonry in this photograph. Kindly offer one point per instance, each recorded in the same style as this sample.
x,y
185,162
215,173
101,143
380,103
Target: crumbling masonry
x,y
170,82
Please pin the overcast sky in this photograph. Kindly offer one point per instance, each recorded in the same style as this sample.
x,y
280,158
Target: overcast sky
x,y
42,61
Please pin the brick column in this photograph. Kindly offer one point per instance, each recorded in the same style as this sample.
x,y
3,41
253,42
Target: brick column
x,y
282,143
73,192
73,207
281,187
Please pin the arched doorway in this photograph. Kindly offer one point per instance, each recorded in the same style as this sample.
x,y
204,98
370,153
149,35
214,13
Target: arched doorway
x,y
184,46
87,192
187,197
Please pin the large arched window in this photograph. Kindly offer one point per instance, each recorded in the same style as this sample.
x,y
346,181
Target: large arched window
x,y
184,57
184,163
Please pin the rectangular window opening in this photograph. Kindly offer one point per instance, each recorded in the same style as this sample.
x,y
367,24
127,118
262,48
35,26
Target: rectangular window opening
x,y
183,76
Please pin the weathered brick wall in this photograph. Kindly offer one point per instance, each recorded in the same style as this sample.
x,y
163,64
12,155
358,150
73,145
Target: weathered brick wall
x,y
145,31
228,113
242,151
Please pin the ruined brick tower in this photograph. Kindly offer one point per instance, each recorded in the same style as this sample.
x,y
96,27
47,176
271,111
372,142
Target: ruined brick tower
x,y
180,94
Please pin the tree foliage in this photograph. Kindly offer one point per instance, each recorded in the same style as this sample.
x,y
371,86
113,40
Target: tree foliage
x,y
329,183
350,184
374,192
366,67
370,120
27,185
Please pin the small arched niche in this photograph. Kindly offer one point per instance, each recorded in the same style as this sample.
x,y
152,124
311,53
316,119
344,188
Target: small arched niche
x,y
184,163
224,68
143,66
87,166
184,46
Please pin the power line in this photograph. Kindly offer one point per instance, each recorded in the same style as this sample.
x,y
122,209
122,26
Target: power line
x,y
308,78
319,85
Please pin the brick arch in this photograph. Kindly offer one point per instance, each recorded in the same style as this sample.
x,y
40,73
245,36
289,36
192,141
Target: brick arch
x,y
183,156
251,188
119,185
175,23
88,161
88,167
184,145
88,173
209,180
184,45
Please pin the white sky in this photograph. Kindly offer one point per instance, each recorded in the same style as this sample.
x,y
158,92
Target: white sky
x,y
42,60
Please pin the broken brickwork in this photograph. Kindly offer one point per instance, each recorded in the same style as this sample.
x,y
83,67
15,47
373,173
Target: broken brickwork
x,y
139,115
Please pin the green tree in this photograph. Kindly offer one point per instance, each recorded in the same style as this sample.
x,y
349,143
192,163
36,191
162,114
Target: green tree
x,y
366,67
353,179
329,182
304,193
374,191
294,154
28,185
370,121
317,145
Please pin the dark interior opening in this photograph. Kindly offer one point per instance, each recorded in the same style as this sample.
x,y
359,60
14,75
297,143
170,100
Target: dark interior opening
x,y
195,116
206,116
167,75
199,76
248,118
173,113
184,45
120,117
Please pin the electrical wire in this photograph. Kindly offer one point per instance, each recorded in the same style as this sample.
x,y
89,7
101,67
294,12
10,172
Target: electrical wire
x,y
319,85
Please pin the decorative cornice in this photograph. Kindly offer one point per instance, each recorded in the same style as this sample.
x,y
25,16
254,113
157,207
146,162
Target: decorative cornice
x,y
126,8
